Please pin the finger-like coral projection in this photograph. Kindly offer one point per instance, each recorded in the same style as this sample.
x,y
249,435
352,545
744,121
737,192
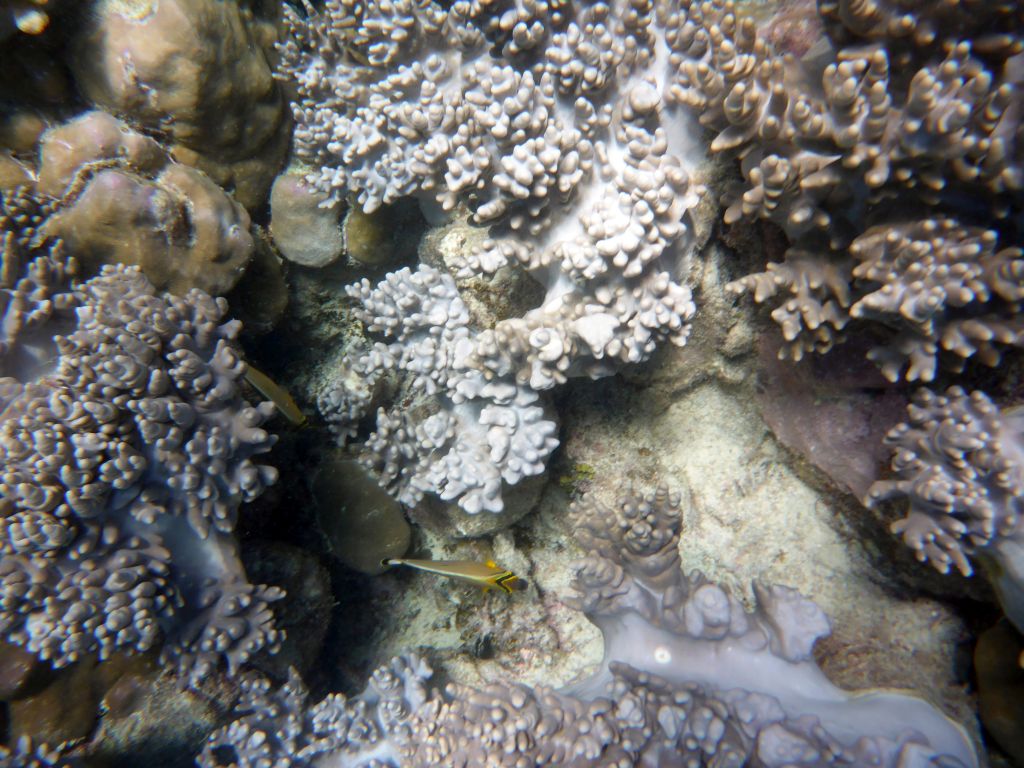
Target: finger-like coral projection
x,y
689,677
959,463
553,125
470,434
126,449
857,152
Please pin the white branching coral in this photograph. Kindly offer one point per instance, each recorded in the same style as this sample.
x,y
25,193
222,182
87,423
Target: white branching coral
x,y
469,433
555,126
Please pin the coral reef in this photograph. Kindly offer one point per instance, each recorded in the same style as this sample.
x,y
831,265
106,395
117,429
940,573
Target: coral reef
x,y
689,677
959,463
569,156
579,171
194,71
124,462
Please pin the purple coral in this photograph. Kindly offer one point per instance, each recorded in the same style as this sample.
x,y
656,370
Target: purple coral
x,y
689,678
123,466
959,463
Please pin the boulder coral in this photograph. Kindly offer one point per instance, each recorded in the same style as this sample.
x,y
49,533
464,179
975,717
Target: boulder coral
x,y
114,196
194,71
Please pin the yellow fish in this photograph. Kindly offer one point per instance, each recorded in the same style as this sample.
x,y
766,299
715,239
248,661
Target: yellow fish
x,y
485,575
276,394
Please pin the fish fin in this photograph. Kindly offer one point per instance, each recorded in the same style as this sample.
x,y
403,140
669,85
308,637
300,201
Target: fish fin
x,y
491,564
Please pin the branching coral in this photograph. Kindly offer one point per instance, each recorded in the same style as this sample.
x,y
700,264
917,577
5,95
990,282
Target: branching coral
x,y
549,123
689,678
477,433
124,462
959,463
870,143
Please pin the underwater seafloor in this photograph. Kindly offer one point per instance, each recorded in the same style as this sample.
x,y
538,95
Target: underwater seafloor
x,y
700,318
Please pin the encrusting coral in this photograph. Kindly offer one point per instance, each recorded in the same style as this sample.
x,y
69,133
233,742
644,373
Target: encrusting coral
x,y
689,677
126,449
959,462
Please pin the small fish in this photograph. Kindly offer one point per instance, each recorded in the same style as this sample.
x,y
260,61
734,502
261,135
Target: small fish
x,y
275,394
485,575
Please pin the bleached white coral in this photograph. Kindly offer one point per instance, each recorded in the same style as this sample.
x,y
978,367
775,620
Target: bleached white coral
x,y
554,125
469,434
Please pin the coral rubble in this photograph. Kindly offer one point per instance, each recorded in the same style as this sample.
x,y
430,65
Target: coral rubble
x,y
689,678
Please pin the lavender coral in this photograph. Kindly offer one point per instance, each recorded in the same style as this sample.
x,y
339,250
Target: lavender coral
x,y
689,678
124,462
959,463
821,151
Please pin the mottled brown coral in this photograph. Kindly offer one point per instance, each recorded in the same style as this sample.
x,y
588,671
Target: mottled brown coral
x,y
190,69
945,288
924,23
116,197
850,159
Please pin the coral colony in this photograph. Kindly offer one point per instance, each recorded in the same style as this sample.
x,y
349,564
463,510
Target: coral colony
x,y
689,678
575,135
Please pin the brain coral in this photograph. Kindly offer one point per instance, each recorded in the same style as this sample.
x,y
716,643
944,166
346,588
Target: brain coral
x,y
689,677
124,460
